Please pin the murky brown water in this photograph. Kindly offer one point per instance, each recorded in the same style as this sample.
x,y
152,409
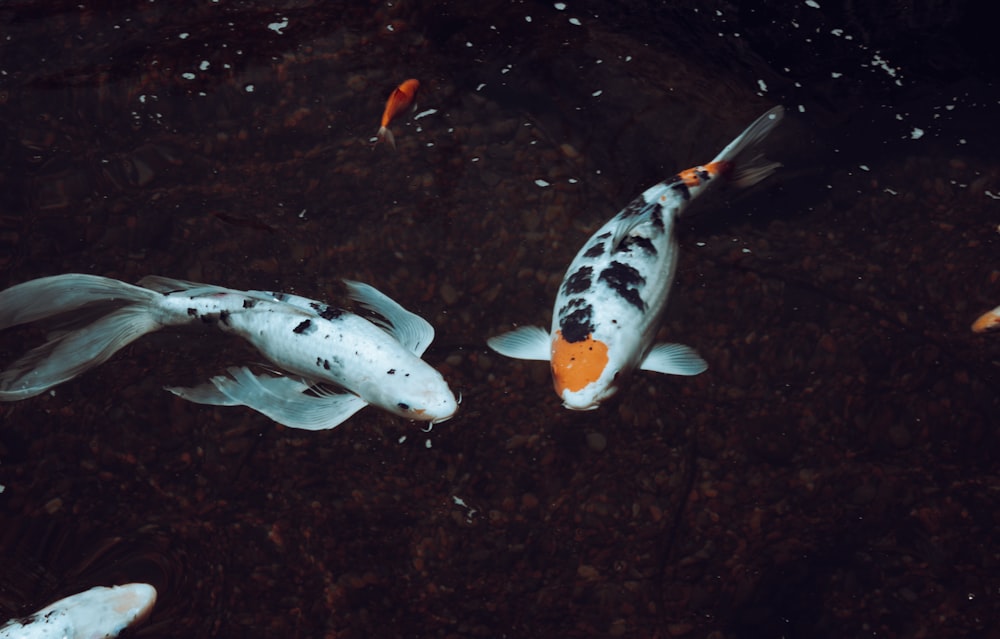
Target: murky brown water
x,y
831,475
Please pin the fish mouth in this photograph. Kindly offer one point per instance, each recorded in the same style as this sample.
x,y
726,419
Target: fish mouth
x,y
593,406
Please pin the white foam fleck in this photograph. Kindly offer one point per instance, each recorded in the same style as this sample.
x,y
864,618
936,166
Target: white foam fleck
x,y
424,114
574,21
916,133
560,6
527,18
864,167
248,88
812,3
541,183
204,65
597,93
278,26
762,85
836,74
188,76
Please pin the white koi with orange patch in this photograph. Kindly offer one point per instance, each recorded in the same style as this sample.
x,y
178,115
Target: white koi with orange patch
x,y
614,293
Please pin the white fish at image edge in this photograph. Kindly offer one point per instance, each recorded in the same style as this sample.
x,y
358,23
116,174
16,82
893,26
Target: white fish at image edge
x,y
320,350
611,300
93,614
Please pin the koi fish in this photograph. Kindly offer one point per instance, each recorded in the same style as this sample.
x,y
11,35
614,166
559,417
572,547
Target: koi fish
x,y
987,321
318,347
614,293
93,614
401,97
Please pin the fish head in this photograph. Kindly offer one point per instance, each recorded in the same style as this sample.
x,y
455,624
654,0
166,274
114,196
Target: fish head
x,y
425,396
583,374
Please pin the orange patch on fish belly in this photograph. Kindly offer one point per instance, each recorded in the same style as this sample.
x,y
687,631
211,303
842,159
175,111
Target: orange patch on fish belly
x,y
576,364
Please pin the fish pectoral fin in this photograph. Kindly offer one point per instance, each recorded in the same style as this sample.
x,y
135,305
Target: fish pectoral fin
x,y
409,329
624,228
674,359
283,399
202,394
526,342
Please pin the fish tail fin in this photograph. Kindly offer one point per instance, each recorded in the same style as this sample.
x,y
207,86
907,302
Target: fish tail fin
x,y
385,135
747,172
68,353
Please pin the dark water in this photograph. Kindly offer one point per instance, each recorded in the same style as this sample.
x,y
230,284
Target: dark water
x,y
833,474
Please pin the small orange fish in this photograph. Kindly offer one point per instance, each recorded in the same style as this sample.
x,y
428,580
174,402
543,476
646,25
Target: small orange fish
x,y
987,321
401,98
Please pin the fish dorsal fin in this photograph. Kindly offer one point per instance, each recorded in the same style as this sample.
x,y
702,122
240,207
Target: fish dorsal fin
x,y
674,359
526,342
409,329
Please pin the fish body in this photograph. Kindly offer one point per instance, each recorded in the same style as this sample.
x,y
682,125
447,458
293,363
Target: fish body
x,y
318,347
97,613
613,295
988,321
399,100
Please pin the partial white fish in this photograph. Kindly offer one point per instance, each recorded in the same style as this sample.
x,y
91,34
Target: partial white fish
x,y
316,346
614,293
93,614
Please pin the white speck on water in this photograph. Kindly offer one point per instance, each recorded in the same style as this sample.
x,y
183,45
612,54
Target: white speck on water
x,y
628,58
424,114
541,183
572,180
427,444
864,167
390,27
890,191
278,26
992,196
248,88
744,250
480,87
812,3
916,133
527,18
802,108
560,6
469,44
962,140
188,76
762,85
597,93
184,36
574,22
700,244
836,74
204,65
458,500
837,32
475,159
302,214
401,439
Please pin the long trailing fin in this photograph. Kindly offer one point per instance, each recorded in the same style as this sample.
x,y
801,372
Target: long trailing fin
x,y
748,172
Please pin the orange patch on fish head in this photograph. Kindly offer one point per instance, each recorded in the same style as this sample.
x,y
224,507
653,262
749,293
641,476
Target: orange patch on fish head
x,y
698,175
576,364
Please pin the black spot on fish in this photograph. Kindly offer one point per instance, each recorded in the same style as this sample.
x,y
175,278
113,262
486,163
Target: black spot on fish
x,y
658,221
248,303
596,250
576,302
643,243
579,281
224,317
391,371
303,327
403,406
192,312
330,313
624,279
682,188
603,236
636,207
326,364
576,326
703,175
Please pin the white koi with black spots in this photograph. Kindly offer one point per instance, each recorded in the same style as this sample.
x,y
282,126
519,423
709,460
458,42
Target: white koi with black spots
x,y
614,293
98,613
321,350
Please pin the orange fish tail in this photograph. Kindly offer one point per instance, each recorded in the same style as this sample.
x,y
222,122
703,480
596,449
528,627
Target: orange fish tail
x,y
385,135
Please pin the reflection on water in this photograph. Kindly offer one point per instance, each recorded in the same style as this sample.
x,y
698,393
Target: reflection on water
x,y
830,475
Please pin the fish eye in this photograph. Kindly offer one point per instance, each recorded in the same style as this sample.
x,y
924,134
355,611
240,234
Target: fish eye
x,y
403,406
